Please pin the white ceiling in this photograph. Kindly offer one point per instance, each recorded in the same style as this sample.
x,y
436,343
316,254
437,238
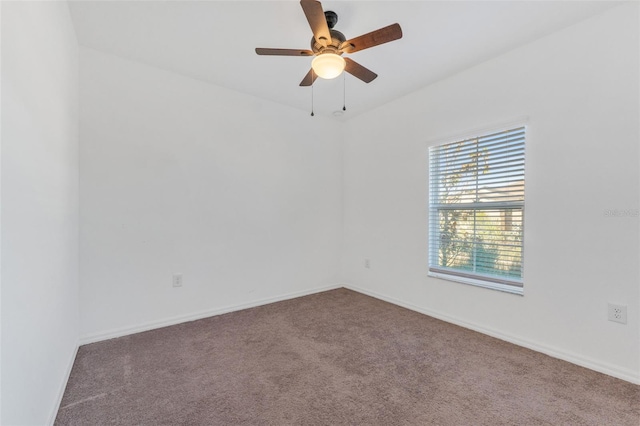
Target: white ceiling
x,y
214,41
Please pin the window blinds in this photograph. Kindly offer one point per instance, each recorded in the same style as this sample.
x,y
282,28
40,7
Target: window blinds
x,y
476,207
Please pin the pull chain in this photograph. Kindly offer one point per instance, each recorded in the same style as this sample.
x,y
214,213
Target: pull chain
x,y
344,91
312,81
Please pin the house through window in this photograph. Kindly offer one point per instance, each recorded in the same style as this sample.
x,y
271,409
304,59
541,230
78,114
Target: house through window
x,y
476,210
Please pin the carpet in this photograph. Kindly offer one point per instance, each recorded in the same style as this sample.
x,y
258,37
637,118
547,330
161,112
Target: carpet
x,y
333,358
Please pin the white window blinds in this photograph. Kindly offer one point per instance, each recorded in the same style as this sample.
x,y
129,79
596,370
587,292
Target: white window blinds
x,y
476,208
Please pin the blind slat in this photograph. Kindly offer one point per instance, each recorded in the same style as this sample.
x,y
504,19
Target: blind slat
x,y
501,138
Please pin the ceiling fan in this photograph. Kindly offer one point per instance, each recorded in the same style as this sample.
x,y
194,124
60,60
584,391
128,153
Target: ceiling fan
x,y
328,46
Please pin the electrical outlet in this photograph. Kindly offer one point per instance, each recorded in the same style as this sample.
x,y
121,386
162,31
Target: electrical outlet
x,y
618,313
177,280
367,264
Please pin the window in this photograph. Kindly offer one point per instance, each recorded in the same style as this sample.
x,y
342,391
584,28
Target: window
x,y
476,210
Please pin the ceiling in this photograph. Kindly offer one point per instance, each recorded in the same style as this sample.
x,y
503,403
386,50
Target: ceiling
x,y
214,41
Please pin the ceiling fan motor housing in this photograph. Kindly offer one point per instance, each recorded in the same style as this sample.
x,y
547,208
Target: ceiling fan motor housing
x,y
337,38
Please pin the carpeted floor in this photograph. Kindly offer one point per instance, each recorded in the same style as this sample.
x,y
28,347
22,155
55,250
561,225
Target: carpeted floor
x,y
334,358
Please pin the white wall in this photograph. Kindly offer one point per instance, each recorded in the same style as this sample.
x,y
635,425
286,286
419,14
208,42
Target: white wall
x,y
579,90
39,208
240,195
0,213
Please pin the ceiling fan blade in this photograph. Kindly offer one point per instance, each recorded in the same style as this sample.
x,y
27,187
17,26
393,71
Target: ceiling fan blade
x,y
309,78
283,52
317,21
357,70
374,38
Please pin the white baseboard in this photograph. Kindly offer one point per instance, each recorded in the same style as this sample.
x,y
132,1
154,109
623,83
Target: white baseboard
x,y
601,367
124,331
63,386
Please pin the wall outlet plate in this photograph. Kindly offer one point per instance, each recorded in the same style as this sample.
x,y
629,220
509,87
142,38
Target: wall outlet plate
x,y
177,280
617,313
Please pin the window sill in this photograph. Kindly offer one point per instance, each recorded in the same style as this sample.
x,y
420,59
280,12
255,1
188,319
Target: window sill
x,y
479,283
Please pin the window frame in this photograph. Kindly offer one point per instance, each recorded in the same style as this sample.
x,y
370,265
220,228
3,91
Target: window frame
x,y
494,282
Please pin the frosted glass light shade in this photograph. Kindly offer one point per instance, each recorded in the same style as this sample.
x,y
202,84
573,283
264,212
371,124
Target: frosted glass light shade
x,y
328,65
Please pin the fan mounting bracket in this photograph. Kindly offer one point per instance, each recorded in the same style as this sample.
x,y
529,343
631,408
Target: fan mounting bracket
x,y
332,18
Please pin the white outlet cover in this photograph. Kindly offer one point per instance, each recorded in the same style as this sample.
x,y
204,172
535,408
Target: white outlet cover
x,y
177,280
617,313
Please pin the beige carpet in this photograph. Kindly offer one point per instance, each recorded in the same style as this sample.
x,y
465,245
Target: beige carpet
x,y
334,358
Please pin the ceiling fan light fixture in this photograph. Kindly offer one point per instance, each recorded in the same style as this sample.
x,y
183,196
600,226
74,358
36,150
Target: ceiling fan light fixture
x,y
328,65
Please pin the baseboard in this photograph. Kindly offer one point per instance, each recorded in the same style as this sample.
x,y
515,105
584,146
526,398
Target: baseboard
x,y
151,325
611,370
63,386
